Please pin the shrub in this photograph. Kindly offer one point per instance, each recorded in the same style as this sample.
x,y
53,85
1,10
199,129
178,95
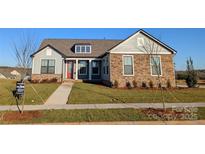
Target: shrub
x,y
159,85
115,84
191,79
144,85
54,79
34,81
43,80
169,84
134,83
151,85
128,85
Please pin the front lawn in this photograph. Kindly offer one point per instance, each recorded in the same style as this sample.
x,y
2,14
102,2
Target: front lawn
x,y
44,90
92,93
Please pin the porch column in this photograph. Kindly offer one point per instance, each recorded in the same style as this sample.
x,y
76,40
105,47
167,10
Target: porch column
x,y
76,70
90,70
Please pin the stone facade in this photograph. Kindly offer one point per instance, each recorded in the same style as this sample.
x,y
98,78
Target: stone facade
x,y
142,70
40,77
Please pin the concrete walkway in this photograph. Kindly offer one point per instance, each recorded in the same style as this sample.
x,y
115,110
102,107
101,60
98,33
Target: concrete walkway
x,y
60,96
99,106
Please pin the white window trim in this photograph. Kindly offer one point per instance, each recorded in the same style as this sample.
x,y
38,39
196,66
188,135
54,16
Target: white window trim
x,y
48,59
92,69
132,65
81,49
79,68
160,65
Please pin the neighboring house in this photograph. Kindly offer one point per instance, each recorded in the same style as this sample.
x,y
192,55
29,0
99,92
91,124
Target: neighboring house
x,y
2,76
104,60
13,72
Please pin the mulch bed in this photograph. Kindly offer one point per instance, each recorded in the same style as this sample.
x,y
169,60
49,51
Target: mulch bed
x,y
17,116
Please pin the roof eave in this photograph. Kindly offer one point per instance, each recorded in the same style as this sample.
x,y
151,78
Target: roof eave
x,y
150,36
46,47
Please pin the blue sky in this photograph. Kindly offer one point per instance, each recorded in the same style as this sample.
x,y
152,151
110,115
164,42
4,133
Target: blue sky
x,y
187,42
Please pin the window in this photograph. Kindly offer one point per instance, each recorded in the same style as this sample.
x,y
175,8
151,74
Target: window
x,y
47,66
82,48
128,65
155,65
88,49
77,49
95,67
107,70
83,67
105,66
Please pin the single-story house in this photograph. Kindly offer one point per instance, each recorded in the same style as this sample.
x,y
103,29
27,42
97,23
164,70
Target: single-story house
x,y
140,58
13,72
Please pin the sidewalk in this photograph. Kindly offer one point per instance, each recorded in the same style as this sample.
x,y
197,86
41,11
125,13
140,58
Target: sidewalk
x,y
99,106
60,96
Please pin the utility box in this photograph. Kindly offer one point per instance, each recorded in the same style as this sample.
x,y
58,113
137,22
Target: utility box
x,y
19,88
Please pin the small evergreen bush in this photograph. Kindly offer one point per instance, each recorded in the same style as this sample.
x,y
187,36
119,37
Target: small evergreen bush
x,y
191,79
169,84
134,83
144,85
151,85
128,85
115,84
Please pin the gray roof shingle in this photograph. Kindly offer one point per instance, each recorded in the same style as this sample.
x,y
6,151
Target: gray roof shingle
x,y
66,46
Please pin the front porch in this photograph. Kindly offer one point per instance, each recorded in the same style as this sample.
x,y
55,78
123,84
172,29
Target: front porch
x,y
82,69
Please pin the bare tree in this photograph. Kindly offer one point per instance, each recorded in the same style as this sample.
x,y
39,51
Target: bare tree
x,y
153,49
23,48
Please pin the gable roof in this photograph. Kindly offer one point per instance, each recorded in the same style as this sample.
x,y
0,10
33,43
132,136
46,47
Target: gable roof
x,y
66,47
149,36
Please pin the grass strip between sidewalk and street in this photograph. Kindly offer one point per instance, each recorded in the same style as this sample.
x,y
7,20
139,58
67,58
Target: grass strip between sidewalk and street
x,y
66,116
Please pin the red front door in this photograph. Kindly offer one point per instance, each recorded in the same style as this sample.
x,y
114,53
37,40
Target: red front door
x,y
70,65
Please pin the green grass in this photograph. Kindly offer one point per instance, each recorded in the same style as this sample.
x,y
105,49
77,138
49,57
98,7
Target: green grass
x,y
92,115
44,90
91,93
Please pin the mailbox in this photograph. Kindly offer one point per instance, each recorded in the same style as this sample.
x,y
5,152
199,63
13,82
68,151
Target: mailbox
x,y
19,88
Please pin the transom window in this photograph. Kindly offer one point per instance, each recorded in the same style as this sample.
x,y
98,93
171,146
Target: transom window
x,y
155,65
83,67
95,67
82,48
128,65
47,66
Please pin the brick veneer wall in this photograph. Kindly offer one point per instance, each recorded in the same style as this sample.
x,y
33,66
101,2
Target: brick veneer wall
x,y
142,70
38,77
